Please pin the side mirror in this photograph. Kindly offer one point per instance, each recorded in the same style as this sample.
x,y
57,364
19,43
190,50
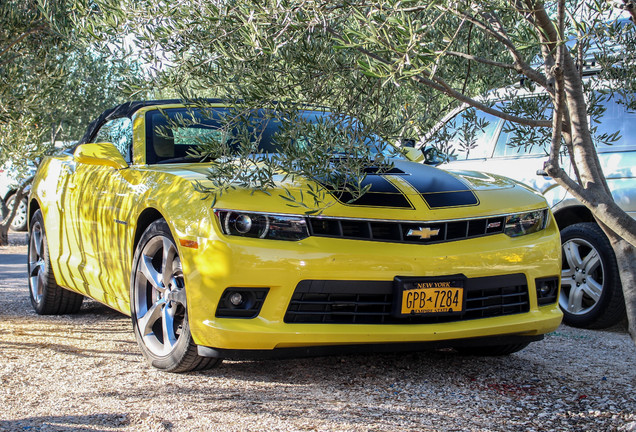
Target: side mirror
x,y
103,154
433,156
413,154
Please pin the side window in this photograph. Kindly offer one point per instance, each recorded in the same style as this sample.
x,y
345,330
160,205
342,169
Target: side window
x,y
614,130
119,132
469,135
518,140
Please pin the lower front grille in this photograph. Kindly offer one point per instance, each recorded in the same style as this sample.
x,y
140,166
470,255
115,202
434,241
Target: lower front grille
x,y
371,302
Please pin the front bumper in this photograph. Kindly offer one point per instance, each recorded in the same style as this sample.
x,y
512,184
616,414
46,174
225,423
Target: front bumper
x,y
280,266
326,350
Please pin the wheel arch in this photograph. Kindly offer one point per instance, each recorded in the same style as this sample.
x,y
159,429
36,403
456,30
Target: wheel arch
x,y
571,215
34,205
144,220
10,192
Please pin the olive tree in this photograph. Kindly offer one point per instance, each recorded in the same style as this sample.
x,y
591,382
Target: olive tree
x,y
397,65
51,86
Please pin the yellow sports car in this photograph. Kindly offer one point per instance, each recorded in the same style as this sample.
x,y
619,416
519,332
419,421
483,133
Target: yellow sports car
x,y
426,258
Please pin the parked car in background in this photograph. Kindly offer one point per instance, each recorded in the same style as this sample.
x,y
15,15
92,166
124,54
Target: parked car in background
x,y
424,258
591,294
9,183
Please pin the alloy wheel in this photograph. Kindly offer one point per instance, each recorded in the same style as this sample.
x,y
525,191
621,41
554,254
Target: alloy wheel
x,y
160,302
581,278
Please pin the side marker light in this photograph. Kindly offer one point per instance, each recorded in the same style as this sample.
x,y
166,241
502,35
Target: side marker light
x,y
189,243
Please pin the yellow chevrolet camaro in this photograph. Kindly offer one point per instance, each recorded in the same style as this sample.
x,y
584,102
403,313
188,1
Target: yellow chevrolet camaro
x,y
426,258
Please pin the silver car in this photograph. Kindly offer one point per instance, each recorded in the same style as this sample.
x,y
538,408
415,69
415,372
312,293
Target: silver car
x,y
591,293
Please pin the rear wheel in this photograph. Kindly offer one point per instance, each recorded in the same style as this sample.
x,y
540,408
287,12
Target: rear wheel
x,y
591,292
159,306
47,297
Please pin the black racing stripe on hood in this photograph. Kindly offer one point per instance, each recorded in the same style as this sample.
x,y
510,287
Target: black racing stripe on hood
x,y
437,187
382,194
450,199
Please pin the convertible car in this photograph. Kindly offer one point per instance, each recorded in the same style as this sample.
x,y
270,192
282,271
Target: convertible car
x,y
425,258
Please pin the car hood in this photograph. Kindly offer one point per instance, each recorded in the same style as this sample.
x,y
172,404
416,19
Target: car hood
x,y
411,191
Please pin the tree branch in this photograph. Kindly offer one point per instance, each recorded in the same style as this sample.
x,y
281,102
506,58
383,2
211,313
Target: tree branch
x,y
501,36
559,93
481,60
20,38
442,86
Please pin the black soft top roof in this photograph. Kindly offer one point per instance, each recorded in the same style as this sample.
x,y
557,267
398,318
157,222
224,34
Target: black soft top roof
x,y
128,109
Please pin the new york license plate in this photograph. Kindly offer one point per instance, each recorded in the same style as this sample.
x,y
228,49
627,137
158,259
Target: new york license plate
x,y
428,296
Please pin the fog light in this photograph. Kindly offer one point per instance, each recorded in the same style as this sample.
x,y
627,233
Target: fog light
x,y
241,302
547,290
236,299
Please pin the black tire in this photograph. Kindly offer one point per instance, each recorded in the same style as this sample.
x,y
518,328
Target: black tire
x,y
19,222
492,350
47,297
160,314
591,293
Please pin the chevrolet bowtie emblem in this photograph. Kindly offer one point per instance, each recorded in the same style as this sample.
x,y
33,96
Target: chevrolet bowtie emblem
x,y
423,233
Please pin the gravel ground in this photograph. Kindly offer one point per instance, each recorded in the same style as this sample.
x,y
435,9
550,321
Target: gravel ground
x,y
85,373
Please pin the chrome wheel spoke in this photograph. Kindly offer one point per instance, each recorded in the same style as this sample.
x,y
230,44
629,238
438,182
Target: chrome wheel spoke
x,y
36,278
150,274
167,326
36,266
575,300
592,289
150,317
37,242
572,256
167,261
591,262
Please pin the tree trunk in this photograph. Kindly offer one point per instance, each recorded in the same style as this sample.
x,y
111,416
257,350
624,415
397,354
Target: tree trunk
x,y
626,260
4,234
6,223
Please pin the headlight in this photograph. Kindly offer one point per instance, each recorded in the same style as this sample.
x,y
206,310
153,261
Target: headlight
x,y
262,225
526,223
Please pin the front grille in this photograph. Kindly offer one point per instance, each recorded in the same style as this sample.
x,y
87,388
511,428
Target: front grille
x,y
371,302
405,232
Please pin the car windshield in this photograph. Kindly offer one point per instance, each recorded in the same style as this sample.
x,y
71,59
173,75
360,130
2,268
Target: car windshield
x,y
177,134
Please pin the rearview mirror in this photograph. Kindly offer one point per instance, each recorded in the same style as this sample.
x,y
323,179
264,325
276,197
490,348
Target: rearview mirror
x,y
103,154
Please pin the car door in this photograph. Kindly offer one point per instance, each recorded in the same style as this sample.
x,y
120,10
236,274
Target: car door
x,y
98,201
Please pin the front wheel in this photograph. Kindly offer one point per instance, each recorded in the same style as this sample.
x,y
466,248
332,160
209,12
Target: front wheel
x,y
591,292
158,304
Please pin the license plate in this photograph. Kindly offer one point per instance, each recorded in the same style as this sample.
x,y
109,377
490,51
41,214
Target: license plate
x,y
429,296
